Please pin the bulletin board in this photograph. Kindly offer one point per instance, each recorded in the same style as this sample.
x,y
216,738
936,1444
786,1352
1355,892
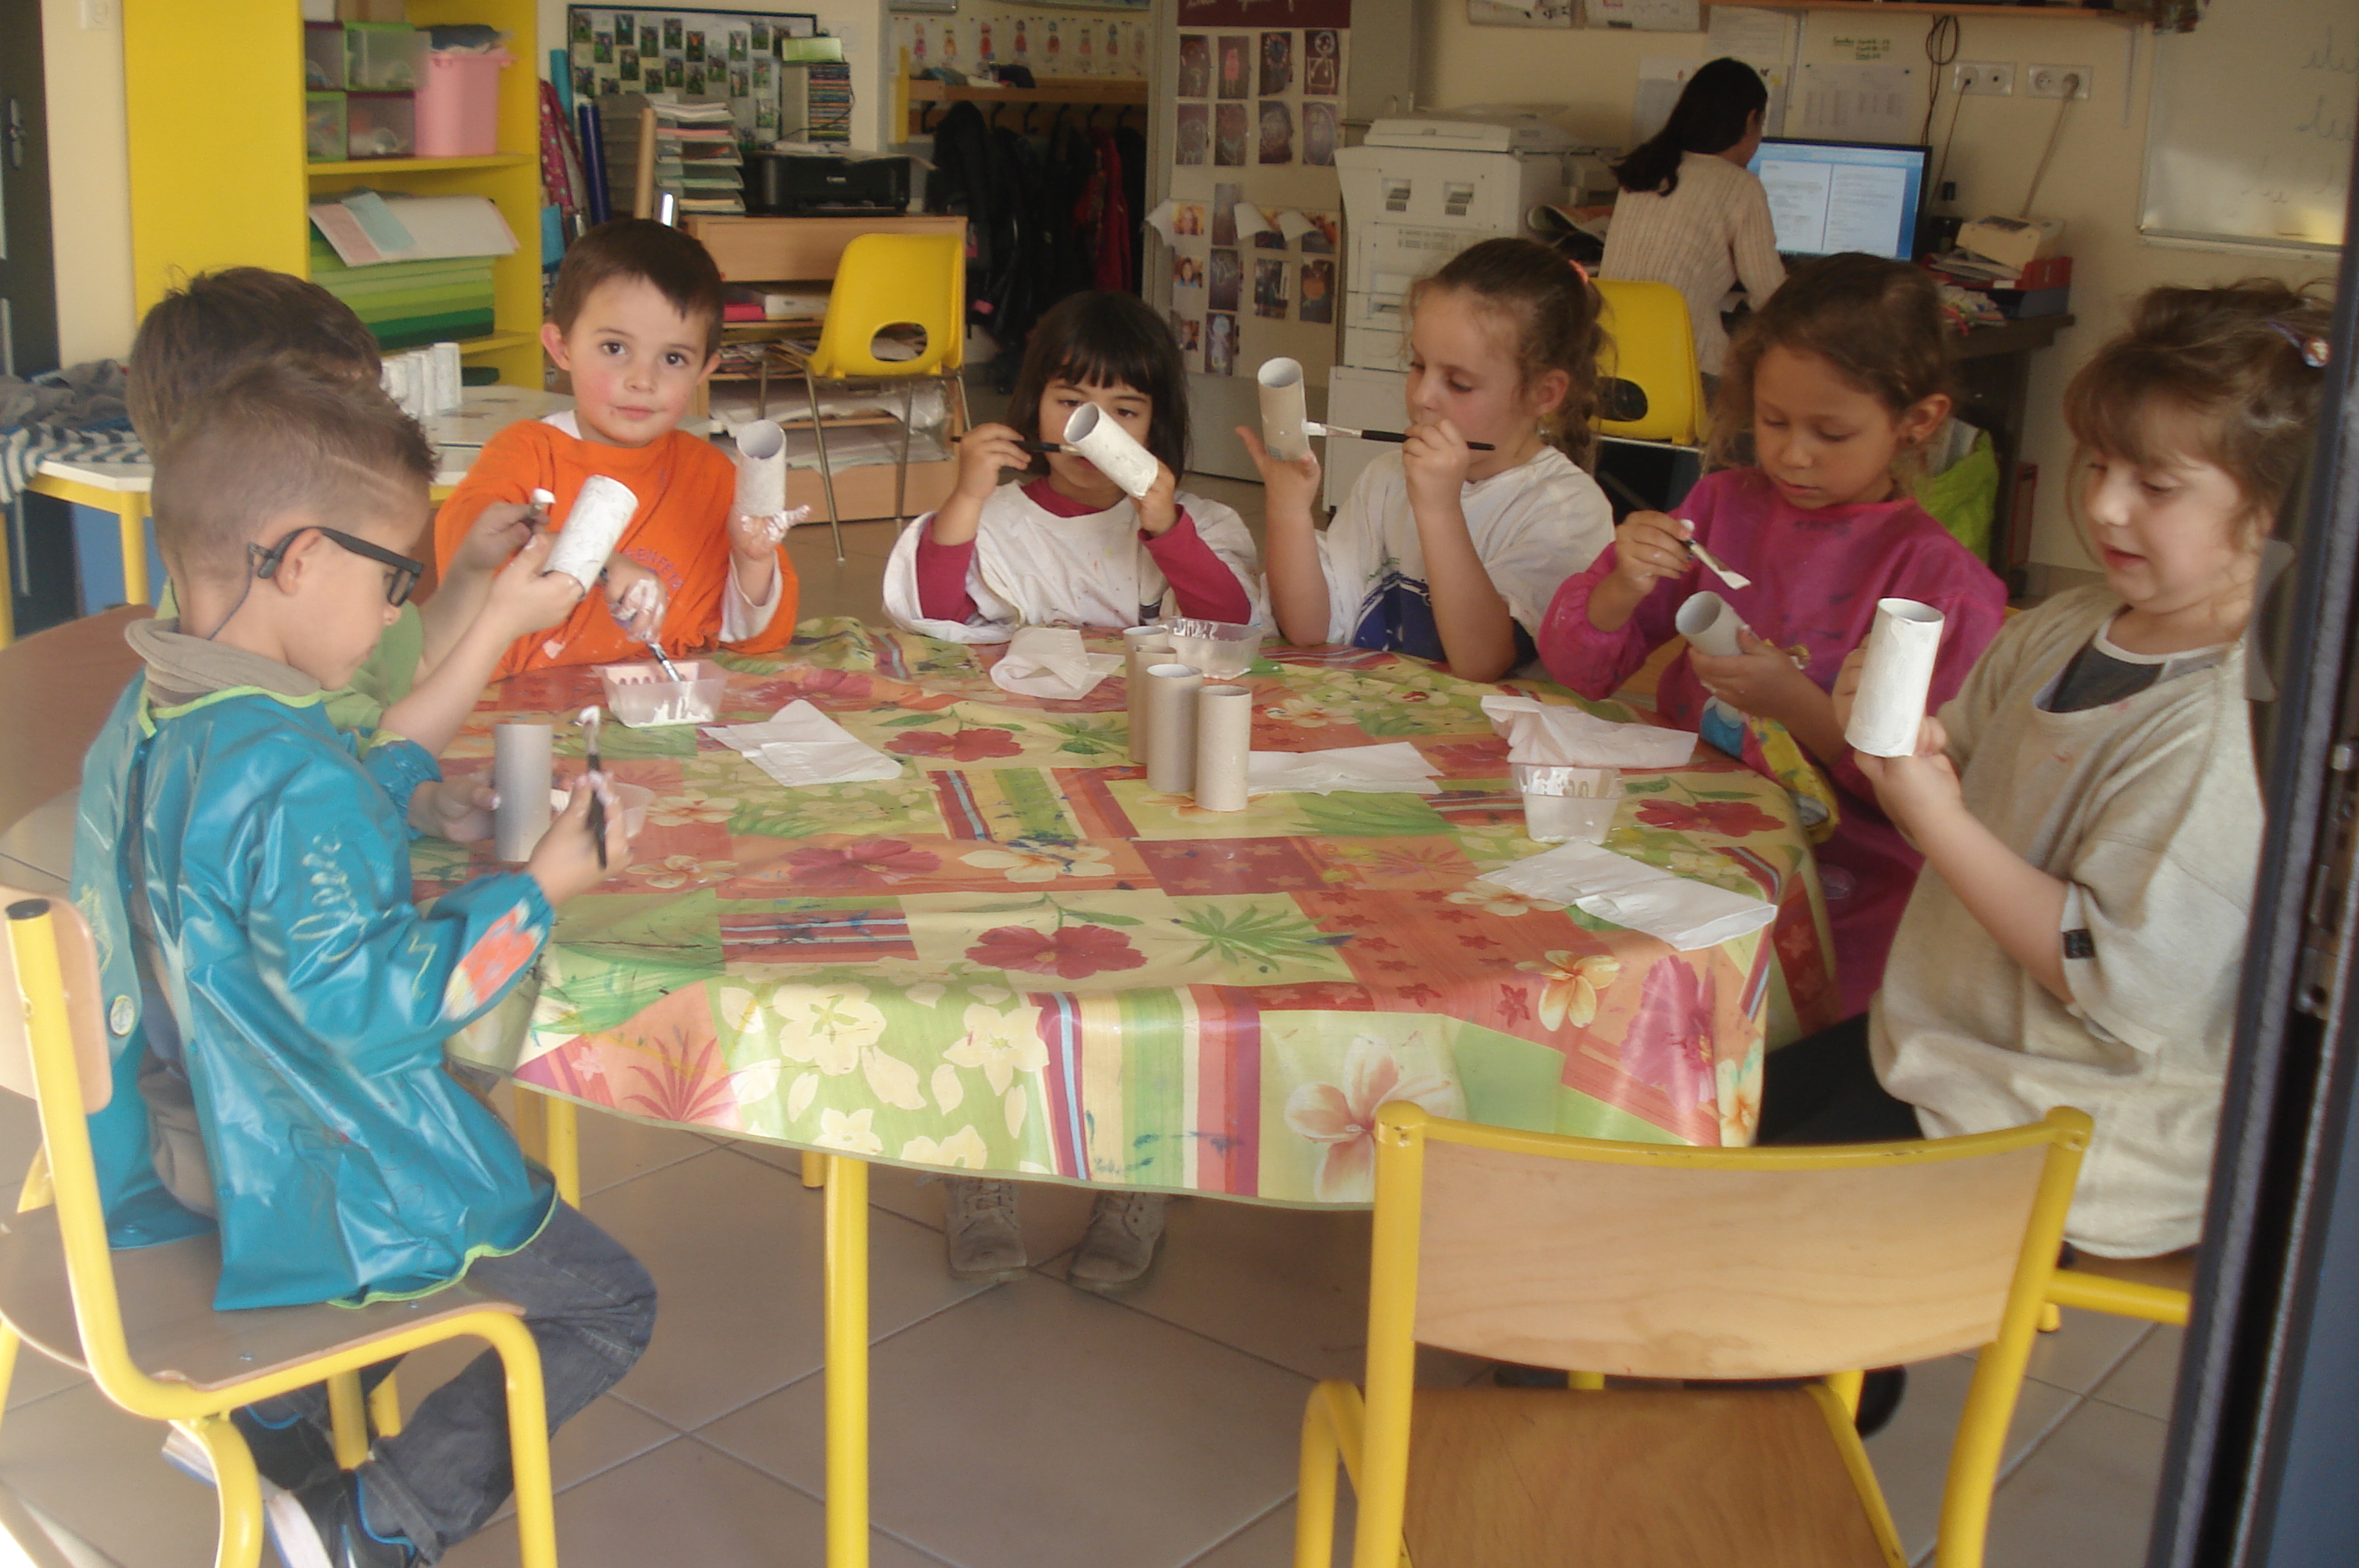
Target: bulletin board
x,y
696,54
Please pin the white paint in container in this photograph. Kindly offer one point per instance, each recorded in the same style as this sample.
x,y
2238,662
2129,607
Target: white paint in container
x,y
761,469
1282,412
1110,447
592,528
1897,677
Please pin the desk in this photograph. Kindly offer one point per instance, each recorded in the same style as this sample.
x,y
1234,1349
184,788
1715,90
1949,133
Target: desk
x,y
1995,383
1017,959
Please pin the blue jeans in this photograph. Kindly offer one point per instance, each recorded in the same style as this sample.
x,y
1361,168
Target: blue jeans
x,y
591,1307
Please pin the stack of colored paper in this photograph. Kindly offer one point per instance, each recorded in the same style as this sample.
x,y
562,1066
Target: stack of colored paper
x,y
410,303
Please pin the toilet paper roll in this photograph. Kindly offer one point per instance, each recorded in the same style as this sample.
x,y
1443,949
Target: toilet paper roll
x,y
1224,740
1111,448
1895,680
520,772
1141,647
1172,728
1281,410
1710,625
601,512
761,469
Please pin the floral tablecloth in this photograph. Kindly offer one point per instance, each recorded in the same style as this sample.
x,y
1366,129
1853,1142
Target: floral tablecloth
x,y
1018,958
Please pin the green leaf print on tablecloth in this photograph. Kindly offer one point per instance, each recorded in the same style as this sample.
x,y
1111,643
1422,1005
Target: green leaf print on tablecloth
x,y
1261,936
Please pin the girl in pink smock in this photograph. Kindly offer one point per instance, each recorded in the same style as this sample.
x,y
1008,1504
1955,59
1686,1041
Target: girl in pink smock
x,y
1838,380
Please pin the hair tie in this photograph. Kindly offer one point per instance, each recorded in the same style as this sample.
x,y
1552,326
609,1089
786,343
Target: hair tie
x,y
2310,346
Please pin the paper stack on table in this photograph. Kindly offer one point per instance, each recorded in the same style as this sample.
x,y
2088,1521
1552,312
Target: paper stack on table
x,y
1398,768
798,747
1049,662
1566,736
1685,913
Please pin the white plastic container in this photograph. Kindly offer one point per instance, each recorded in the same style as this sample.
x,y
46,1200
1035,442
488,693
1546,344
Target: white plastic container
x,y
1568,805
642,696
1221,649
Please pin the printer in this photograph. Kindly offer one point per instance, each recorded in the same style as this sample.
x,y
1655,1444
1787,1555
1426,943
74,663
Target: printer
x,y
823,185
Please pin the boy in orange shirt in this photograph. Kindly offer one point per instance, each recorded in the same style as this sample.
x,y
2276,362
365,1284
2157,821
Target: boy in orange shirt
x,y
635,320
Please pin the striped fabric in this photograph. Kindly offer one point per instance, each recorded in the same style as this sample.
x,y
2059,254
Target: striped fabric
x,y
1703,237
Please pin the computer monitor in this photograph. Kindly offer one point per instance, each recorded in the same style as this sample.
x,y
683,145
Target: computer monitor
x,y
1826,197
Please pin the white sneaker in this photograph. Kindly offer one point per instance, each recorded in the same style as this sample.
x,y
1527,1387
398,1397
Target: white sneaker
x,y
980,1230
1120,1245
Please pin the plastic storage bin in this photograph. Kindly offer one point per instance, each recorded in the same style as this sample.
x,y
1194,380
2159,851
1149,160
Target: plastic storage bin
x,y
380,124
381,56
324,127
459,103
324,56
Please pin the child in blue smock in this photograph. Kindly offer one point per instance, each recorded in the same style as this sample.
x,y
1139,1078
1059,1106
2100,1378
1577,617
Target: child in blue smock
x,y
245,866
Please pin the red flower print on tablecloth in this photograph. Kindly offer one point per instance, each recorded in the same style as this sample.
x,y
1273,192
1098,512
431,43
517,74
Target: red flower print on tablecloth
x,y
1669,1041
858,865
1730,819
1069,952
964,745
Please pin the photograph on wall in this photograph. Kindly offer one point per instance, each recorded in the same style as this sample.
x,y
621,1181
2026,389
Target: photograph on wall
x,y
1227,280
1187,218
1276,63
1190,331
1256,13
602,48
1326,228
1236,66
737,46
675,34
1322,63
1220,344
1195,66
1230,136
1187,276
694,53
1269,289
1319,135
1269,239
1192,135
1224,213
1317,292
1276,132
629,65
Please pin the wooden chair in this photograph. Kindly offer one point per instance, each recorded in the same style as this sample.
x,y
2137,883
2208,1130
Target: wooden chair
x,y
55,690
141,1322
1659,1262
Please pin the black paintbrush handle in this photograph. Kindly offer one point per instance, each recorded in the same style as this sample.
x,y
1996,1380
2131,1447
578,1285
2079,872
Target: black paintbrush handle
x,y
1396,437
597,811
1032,446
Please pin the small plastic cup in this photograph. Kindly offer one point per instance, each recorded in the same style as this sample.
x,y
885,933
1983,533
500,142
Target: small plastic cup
x,y
634,799
1568,805
642,695
1221,650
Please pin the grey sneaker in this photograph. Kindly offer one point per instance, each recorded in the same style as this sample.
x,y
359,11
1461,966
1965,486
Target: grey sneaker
x,y
1120,1244
979,1228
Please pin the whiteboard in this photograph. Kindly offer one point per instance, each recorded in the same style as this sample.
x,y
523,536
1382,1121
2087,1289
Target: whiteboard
x,y
2249,137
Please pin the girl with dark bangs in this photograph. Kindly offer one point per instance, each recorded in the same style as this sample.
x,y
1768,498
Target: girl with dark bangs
x,y
1062,544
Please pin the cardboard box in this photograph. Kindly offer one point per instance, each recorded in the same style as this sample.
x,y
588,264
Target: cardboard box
x,y
2014,241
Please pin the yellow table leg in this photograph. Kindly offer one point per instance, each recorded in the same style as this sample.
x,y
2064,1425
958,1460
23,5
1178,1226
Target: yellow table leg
x,y
131,528
814,1168
847,1361
561,1119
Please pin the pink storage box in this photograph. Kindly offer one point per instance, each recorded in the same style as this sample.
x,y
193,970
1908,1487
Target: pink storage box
x,y
459,103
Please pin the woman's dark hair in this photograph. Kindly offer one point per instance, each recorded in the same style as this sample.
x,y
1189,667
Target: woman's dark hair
x,y
1878,322
1715,111
1106,339
1550,308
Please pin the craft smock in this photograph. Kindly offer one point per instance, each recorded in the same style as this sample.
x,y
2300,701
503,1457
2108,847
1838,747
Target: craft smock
x,y
1035,568
2149,811
680,532
1533,526
1817,574
309,997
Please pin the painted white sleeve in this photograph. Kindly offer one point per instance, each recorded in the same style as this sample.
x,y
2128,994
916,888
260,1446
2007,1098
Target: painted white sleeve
x,y
1225,532
740,616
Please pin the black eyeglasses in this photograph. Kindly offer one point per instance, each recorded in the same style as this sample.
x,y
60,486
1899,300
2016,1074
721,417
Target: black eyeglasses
x,y
406,572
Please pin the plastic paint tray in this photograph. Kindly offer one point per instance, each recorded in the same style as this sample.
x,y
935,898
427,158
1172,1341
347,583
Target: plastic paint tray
x,y
642,697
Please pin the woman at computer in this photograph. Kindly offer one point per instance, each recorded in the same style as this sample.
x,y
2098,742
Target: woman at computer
x,y
1690,213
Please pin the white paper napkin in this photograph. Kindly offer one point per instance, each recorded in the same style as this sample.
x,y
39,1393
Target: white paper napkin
x,y
798,746
1677,910
1398,768
1049,662
1573,737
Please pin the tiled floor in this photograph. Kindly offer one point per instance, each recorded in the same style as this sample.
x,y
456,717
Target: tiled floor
x,y
1028,1424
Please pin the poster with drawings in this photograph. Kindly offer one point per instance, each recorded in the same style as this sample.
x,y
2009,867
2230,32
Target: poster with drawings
x,y
731,54
1256,121
1044,44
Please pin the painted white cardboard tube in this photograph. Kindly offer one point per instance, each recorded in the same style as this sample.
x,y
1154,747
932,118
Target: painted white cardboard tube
x,y
1111,448
1710,625
520,772
1223,739
1172,728
1282,411
1141,647
761,469
1895,680
592,528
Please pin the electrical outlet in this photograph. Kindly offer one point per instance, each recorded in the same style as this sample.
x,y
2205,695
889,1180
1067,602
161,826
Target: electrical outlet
x,y
1981,78
98,16
2048,81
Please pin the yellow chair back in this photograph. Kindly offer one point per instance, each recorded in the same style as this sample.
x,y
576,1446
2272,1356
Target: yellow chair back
x,y
886,280
1652,343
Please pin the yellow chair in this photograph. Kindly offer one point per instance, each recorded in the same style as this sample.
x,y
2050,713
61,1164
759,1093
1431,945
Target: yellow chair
x,y
141,1322
1651,344
886,280
2159,1289
1661,1262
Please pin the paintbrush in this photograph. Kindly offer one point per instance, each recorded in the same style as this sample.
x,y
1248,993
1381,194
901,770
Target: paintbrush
x,y
589,722
1733,579
1313,427
1034,446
